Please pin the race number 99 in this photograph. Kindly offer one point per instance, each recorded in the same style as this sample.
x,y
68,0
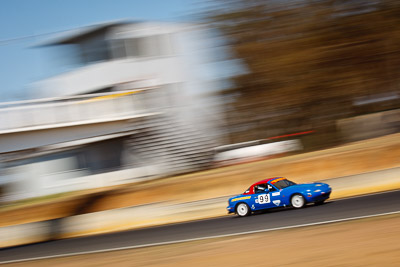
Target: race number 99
x,y
263,199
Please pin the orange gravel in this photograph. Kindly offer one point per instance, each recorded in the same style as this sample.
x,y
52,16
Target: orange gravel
x,y
367,242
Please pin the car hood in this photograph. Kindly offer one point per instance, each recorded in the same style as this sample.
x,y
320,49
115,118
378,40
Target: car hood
x,y
311,187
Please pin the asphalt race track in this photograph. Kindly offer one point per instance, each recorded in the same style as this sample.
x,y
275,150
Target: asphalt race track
x,y
335,210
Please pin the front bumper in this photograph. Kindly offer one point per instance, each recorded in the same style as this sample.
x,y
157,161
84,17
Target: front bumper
x,y
318,196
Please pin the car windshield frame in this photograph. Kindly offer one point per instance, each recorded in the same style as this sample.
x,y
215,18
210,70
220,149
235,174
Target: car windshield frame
x,y
283,183
247,191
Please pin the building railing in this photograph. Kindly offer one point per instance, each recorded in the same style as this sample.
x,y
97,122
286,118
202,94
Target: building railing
x,y
79,109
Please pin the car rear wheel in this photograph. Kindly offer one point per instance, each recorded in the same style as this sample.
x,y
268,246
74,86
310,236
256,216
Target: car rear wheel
x,y
242,209
297,201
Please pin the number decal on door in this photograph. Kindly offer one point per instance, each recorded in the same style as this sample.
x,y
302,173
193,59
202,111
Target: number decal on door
x,y
263,199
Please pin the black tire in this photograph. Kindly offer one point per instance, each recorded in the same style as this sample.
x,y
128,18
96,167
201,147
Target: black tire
x,y
297,201
242,210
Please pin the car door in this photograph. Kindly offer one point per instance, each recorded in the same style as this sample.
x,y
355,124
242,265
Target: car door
x,y
275,196
262,197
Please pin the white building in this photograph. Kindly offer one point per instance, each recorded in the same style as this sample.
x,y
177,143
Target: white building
x,y
134,107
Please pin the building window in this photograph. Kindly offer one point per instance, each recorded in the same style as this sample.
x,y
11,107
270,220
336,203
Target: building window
x,y
94,50
147,46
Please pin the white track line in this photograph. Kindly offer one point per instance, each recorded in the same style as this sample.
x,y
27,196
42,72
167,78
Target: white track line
x,y
364,195
201,238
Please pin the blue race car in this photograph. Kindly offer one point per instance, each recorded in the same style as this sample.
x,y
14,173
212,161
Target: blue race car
x,y
277,192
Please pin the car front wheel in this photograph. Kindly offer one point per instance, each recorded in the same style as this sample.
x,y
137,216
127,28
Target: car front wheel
x,y
298,201
242,210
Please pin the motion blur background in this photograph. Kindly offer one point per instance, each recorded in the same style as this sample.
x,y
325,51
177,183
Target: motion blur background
x,y
96,94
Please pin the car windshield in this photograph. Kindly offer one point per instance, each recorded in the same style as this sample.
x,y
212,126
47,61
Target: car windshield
x,y
280,184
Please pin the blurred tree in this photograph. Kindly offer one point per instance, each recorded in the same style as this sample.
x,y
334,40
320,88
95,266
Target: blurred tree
x,y
307,61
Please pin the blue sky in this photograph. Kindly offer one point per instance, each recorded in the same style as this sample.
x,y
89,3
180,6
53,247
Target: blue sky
x,y
21,63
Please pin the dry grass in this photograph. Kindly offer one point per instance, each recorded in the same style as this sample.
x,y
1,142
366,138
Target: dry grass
x,y
371,155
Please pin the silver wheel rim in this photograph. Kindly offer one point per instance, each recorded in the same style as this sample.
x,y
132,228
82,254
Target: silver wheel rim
x,y
297,201
242,209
